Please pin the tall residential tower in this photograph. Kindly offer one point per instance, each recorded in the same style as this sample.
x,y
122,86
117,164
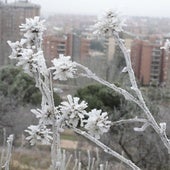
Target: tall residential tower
x,y
11,16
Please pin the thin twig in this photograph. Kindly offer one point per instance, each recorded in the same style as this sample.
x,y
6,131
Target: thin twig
x,y
106,149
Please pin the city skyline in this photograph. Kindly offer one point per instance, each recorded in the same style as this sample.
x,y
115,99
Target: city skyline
x,y
149,8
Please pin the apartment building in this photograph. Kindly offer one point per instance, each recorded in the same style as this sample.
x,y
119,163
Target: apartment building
x,y
11,16
149,61
71,45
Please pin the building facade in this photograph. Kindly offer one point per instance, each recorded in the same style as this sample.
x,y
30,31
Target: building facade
x,y
70,45
11,16
149,61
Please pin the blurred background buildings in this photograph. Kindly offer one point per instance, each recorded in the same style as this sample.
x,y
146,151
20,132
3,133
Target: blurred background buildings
x,y
11,16
73,35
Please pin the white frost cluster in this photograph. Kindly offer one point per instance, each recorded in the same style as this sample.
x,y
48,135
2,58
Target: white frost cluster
x,y
25,52
74,110
38,134
45,115
63,68
109,23
97,123
17,49
33,28
71,113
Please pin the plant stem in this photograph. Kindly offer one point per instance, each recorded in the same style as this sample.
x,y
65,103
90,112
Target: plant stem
x,y
139,100
141,103
107,149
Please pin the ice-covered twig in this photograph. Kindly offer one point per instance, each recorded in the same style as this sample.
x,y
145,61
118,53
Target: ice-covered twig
x,y
3,148
133,120
141,103
89,74
138,100
141,129
106,149
8,152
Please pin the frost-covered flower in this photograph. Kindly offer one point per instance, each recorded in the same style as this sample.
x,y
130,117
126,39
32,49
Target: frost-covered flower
x,y
27,59
109,23
97,123
16,48
45,115
63,68
73,110
33,25
33,29
38,134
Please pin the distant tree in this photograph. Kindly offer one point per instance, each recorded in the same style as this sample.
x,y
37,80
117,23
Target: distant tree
x,y
17,95
20,86
100,97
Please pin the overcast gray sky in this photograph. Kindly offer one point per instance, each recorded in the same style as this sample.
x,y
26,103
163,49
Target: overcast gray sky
x,y
155,8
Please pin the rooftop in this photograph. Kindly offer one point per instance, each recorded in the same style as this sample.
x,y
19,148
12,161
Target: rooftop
x,y
22,3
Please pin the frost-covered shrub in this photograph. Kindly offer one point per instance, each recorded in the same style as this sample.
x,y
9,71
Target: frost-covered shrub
x,y
53,120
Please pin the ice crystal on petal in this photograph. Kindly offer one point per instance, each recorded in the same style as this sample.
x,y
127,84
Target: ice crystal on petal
x,y
97,123
109,23
74,110
63,68
38,134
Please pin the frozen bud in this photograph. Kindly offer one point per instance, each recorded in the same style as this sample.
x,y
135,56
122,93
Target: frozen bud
x,y
74,110
163,126
97,123
38,134
44,115
63,68
109,23
125,69
33,25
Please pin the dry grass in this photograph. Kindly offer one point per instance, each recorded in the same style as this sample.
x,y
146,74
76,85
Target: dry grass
x,y
30,159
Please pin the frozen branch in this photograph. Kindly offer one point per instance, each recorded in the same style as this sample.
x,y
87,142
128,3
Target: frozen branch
x,y
8,152
133,120
141,103
71,113
89,74
141,129
139,100
106,149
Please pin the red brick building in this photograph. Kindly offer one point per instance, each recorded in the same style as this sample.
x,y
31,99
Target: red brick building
x,y
149,61
11,16
71,45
